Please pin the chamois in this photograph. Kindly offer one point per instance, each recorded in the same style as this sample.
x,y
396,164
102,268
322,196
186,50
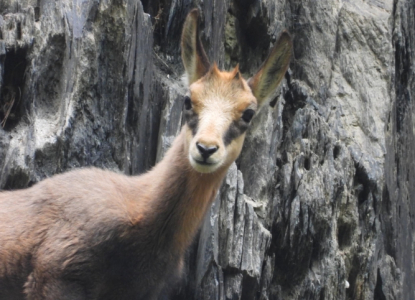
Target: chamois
x,y
93,234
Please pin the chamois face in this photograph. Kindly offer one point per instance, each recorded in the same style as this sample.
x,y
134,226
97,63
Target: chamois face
x,y
220,105
218,111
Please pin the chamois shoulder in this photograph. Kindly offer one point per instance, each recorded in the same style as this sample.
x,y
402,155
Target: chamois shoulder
x,y
81,193
86,183
102,189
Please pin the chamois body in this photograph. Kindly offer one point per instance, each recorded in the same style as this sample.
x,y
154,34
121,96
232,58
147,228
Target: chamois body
x,y
91,234
95,234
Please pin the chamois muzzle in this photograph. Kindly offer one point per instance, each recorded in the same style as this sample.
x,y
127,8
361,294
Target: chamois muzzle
x,y
206,151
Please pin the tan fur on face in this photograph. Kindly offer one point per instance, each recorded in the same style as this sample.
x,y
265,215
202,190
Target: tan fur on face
x,y
229,88
218,98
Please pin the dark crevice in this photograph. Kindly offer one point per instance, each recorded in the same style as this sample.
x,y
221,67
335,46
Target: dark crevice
x,y
307,163
252,35
15,64
37,11
19,31
398,172
344,235
256,34
16,179
378,294
279,162
362,183
37,14
325,149
317,249
249,287
336,151
167,18
155,8
145,4
273,102
305,133
132,109
294,99
402,71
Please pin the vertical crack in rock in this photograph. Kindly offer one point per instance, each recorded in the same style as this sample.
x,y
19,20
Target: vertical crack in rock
x,y
11,103
399,208
378,294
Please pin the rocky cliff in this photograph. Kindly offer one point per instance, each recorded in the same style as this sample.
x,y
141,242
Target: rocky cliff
x,y
320,204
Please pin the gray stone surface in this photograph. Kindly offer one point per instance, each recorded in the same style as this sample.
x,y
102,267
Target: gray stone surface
x,y
320,204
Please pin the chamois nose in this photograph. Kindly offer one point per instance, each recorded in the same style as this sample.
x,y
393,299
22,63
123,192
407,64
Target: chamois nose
x,y
206,151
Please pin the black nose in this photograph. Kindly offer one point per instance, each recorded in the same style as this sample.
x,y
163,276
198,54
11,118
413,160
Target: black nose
x,y
206,151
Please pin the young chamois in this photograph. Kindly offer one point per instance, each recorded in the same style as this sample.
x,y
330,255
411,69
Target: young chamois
x,y
91,234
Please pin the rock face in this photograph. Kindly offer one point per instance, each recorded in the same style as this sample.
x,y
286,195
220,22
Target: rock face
x,y
320,204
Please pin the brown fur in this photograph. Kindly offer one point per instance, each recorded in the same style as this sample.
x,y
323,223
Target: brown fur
x,y
94,234
66,231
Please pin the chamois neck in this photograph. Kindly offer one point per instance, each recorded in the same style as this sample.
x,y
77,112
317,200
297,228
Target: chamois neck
x,y
182,196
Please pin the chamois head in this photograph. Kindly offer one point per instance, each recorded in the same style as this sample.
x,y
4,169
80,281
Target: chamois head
x,y
220,105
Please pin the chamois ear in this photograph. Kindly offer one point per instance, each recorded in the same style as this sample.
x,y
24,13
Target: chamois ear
x,y
273,69
194,58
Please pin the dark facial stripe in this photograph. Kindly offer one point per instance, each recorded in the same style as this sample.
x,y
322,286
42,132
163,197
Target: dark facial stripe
x,y
192,120
235,130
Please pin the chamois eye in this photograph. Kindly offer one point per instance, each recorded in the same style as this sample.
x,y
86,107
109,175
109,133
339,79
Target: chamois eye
x,y
187,103
247,115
